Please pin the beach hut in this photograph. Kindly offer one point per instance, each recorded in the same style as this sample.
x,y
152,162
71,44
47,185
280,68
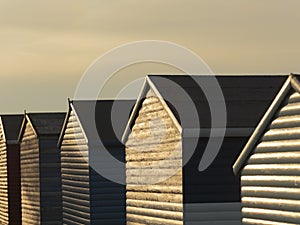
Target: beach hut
x,y
166,137
269,165
91,129
40,168
10,188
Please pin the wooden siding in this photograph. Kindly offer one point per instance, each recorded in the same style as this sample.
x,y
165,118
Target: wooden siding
x,y
217,183
89,198
271,178
14,183
108,198
50,181
3,180
214,187
75,174
30,177
159,203
10,184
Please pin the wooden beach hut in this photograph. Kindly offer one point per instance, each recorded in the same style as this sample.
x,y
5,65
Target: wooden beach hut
x,y
40,168
91,196
166,137
10,188
269,165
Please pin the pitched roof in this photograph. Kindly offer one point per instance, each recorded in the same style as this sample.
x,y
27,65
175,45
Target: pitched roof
x,y
291,82
246,98
47,123
104,119
44,123
11,126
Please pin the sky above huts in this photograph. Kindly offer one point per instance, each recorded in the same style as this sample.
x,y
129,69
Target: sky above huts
x,y
46,46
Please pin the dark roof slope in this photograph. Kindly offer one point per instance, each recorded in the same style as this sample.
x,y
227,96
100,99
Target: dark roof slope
x,y
292,83
107,117
12,126
47,123
247,98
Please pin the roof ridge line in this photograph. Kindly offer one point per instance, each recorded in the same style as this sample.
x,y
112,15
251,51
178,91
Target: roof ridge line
x,y
247,150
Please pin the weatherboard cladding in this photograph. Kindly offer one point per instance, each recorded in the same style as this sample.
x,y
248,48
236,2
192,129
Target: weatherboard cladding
x,y
88,197
207,197
75,173
40,168
162,202
270,177
3,179
10,189
30,182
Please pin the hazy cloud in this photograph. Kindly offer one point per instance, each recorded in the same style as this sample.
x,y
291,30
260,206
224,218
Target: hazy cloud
x,y
57,40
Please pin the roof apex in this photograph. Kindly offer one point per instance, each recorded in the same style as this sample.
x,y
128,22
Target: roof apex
x,y
46,123
291,82
183,92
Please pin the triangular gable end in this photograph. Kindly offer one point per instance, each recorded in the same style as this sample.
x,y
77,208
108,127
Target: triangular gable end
x,y
148,85
23,127
65,124
64,127
41,122
291,82
2,130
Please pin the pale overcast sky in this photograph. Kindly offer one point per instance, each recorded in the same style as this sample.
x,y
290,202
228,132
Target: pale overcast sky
x,y
47,45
